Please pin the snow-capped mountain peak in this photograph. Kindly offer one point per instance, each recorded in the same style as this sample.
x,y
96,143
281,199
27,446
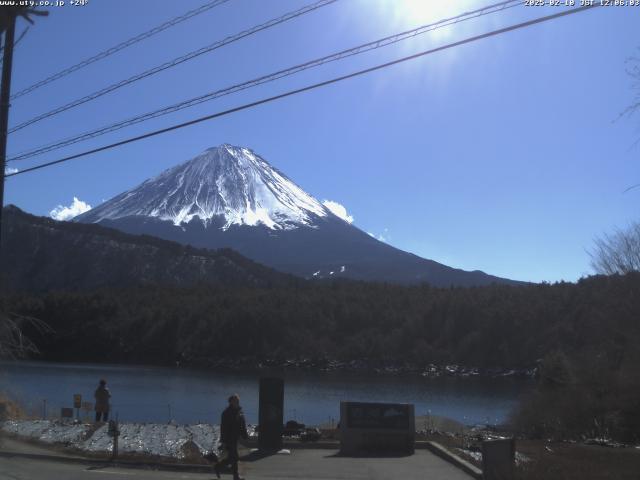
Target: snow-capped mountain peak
x,y
229,197
223,182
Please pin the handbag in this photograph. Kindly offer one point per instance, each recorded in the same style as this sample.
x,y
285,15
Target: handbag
x,y
222,454
217,455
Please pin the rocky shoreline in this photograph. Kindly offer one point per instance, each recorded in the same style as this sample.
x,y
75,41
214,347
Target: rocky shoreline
x,y
430,370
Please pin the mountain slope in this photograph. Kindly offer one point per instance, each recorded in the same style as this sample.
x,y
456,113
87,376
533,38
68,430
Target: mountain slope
x,y
40,254
230,197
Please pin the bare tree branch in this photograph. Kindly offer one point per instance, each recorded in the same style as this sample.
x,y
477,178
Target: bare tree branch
x,y
618,252
633,70
13,342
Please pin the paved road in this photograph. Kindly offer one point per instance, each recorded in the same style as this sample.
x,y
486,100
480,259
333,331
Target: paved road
x,y
303,464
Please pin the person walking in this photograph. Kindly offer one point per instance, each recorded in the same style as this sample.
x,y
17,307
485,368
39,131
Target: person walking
x,y
232,427
102,396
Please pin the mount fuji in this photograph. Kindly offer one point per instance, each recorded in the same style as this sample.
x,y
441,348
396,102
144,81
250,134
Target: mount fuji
x,y
229,197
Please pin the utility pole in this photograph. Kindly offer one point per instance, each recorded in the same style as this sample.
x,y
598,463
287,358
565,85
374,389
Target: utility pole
x,y
5,93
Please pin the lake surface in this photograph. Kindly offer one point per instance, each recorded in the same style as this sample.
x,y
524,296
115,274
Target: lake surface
x,y
156,394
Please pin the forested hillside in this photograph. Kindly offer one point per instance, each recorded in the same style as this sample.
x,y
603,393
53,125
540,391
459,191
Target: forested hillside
x,y
41,254
378,324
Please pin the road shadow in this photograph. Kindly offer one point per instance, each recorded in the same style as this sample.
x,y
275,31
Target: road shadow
x,y
371,455
99,467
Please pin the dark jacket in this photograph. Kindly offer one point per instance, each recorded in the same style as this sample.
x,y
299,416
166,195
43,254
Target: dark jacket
x,y
102,397
232,426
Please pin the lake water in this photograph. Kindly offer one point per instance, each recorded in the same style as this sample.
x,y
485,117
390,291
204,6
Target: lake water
x,y
155,394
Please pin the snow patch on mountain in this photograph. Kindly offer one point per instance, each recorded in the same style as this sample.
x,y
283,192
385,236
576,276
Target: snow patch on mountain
x,y
228,182
383,237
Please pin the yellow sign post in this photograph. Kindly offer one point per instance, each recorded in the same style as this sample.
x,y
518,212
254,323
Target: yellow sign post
x,y
77,403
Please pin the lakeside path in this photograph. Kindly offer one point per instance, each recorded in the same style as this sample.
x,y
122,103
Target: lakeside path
x,y
321,464
301,464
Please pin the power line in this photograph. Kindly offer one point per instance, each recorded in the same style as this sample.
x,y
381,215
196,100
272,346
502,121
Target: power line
x,y
176,61
268,78
389,40
121,46
15,44
311,87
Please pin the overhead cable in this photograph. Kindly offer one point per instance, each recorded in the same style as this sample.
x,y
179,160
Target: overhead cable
x,y
382,42
176,61
121,46
309,87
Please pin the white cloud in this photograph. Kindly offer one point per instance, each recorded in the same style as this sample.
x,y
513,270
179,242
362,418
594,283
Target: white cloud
x,y
338,210
67,213
10,170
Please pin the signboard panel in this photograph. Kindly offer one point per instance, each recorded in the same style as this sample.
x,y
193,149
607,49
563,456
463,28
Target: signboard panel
x,y
376,428
66,412
378,415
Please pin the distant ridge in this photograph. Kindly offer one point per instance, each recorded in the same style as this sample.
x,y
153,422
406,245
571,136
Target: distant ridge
x,y
41,254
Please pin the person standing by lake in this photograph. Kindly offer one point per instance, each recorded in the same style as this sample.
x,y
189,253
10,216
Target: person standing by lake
x,y
102,396
232,427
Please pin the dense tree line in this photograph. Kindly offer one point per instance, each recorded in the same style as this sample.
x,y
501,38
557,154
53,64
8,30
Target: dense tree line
x,y
493,326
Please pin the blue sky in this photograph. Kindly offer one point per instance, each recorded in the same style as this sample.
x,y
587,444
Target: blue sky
x,y
505,155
